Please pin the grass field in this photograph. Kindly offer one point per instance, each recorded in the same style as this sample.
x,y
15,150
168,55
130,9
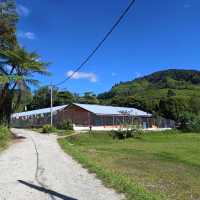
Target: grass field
x,y
4,138
155,166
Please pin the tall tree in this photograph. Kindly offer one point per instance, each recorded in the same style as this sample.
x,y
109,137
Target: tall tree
x,y
41,98
17,68
89,98
63,98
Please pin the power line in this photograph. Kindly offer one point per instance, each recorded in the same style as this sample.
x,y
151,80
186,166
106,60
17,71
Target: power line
x,y
100,43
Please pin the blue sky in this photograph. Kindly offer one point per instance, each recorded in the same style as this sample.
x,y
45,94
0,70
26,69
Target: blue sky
x,y
155,35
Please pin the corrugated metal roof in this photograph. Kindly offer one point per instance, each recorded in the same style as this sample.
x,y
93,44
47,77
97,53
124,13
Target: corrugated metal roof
x,y
37,112
111,110
96,109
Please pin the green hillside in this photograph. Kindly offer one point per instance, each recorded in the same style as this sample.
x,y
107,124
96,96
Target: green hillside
x,y
169,93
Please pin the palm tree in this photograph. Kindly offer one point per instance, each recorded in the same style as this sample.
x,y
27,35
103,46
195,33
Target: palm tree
x,y
17,68
8,21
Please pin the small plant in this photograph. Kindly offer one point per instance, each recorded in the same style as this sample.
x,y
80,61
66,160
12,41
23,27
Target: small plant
x,y
66,125
4,133
123,134
48,128
138,133
4,136
128,131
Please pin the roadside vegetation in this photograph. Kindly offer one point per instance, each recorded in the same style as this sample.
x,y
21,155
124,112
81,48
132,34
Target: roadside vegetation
x,y
59,132
47,128
4,137
62,129
159,165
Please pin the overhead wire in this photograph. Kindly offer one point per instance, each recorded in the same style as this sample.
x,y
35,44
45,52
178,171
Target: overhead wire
x,y
119,19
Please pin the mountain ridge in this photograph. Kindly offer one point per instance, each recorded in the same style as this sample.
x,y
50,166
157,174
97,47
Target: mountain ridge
x,y
148,93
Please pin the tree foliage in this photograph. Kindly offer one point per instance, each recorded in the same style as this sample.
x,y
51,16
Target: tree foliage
x,y
42,98
168,93
17,66
8,20
88,98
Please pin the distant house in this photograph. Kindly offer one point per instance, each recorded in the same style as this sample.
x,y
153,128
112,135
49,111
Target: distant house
x,y
87,115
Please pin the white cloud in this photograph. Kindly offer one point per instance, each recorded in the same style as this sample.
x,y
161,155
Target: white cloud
x,y
22,10
27,35
82,75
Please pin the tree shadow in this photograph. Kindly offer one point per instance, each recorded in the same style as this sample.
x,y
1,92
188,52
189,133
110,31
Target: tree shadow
x,y
47,191
17,137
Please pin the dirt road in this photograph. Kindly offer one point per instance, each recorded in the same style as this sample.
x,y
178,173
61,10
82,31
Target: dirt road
x,y
37,169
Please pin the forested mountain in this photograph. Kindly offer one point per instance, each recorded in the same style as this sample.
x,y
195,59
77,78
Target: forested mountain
x,y
171,93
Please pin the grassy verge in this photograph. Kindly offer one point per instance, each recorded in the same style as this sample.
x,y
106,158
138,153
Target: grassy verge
x,y
110,178
155,166
61,132
4,137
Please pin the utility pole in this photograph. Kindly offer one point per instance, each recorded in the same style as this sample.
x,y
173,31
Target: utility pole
x,y
51,88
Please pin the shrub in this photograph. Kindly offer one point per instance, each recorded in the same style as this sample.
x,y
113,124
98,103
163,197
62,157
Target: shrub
x,y
4,136
65,125
4,133
123,134
190,122
48,128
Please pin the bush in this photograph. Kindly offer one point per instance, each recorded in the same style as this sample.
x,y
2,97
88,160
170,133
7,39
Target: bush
x,y
190,122
48,128
4,133
65,125
123,134
4,136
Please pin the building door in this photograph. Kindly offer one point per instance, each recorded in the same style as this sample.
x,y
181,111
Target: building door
x,y
144,124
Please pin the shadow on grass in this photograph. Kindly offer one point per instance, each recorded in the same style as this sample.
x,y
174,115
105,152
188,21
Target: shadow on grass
x,y
47,191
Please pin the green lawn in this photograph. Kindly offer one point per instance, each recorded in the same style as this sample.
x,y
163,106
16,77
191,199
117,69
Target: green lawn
x,y
155,166
4,137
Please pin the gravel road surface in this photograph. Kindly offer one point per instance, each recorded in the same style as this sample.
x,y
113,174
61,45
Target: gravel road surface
x,y
35,168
